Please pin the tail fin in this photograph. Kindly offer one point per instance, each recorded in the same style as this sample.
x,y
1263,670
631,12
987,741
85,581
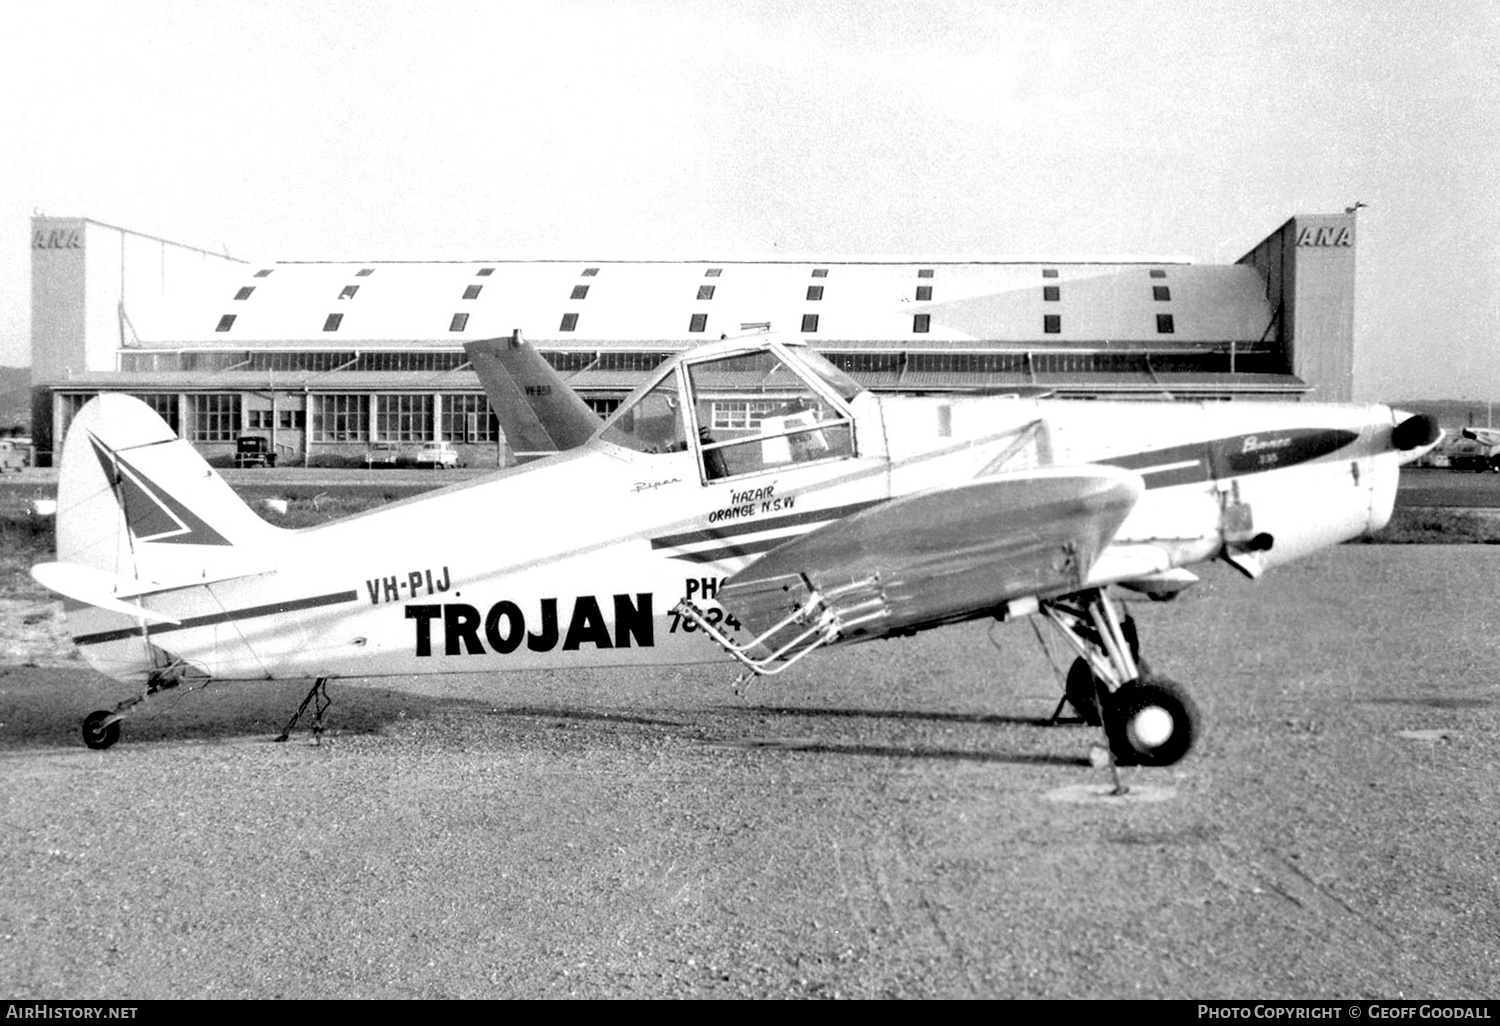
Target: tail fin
x,y
138,504
537,411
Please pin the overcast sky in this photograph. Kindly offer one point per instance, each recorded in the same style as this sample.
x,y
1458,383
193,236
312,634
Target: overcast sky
x,y
602,128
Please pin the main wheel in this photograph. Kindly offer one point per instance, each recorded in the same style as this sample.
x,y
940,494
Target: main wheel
x,y
97,733
1152,722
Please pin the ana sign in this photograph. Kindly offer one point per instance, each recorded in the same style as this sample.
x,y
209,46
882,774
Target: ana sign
x,y
1328,235
57,238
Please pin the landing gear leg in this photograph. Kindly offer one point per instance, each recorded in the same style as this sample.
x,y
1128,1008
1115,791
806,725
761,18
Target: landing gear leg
x,y
101,728
319,693
1147,720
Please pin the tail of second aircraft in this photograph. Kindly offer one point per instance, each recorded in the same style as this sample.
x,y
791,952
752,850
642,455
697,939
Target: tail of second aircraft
x,y
140,512
538,412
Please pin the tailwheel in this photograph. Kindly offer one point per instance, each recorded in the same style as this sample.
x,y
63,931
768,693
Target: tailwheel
x,y
101,729
1150,722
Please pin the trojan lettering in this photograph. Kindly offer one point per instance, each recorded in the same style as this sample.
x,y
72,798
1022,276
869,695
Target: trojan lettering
x,y
504,626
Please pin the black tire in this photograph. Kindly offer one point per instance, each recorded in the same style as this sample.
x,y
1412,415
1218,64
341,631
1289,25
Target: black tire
x,y
1082,690
1138,736
97,733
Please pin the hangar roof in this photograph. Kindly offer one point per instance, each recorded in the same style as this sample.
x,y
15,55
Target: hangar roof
x,y
558,304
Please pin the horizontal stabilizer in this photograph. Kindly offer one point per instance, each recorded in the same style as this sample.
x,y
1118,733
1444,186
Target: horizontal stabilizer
x,y
537,411
95,588
945,555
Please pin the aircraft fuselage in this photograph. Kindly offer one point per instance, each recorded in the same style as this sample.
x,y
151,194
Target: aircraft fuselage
x,y
577,560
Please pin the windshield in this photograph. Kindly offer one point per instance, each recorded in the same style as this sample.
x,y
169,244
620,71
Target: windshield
x,y
846,387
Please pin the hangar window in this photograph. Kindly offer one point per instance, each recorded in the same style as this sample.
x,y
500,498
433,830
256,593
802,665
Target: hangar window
x,y
569,361
920,323
569,322
215,417
924,293
1051,293
809,323
340,418
467,418
1049,272
71,405
820,272
706,291
163,404
244,293
150,363
740,414
630,361
364,272
1161,293
484,272
925,272
406,361
814,293
472,291
580,292
264,272
333,322
348,291
1164,324
698,322
225,323
1157,272
869,363
459,323
946,363
713,272
403,418
590,272
1052,324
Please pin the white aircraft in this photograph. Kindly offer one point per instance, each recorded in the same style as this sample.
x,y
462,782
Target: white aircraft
x,y
749,502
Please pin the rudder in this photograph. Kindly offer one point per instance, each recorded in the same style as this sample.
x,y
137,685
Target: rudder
x,y
137,502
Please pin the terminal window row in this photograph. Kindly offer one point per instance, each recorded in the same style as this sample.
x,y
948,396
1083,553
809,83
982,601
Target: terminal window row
x,y
269,420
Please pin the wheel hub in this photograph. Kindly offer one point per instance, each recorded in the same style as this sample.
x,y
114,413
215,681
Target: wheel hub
x,y
1151,727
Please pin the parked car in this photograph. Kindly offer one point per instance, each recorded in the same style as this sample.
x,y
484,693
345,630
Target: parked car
x,y
438,455
1476,461
15,454
387,454
253,451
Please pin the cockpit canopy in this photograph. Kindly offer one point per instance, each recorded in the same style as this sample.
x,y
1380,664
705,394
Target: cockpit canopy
x,y
743,408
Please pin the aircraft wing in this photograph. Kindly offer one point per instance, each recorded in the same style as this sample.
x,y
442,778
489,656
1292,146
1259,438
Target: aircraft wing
x,y
537,411
939,556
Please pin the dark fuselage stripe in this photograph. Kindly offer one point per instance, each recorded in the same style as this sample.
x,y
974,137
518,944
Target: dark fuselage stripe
x,y
745,548
272,609
754,526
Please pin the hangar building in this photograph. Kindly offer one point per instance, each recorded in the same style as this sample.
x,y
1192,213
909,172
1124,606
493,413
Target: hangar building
x,y
325,359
